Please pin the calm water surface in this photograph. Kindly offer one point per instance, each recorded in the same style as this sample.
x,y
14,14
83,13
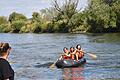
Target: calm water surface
x,y
32,54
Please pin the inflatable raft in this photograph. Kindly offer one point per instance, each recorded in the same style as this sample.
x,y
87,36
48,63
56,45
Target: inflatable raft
x,y
68,63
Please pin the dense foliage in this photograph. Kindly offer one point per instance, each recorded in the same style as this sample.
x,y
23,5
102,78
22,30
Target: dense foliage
x,y
99,16
103,16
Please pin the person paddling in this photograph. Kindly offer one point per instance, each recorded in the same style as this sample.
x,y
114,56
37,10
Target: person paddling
x,y
79,52
6,72
66,53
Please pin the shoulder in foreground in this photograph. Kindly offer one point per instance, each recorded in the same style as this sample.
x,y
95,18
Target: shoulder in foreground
x,y
3,61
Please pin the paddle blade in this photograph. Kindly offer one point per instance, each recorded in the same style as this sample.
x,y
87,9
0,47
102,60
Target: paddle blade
x,y
52,66
92,55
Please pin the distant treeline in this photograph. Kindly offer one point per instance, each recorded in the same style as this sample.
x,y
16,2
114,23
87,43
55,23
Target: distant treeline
x,y
99,16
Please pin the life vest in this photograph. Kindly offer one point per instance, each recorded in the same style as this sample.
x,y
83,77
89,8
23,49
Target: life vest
x,y
66,56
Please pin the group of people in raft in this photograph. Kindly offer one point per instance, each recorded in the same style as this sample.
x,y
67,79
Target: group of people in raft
x,y
74,53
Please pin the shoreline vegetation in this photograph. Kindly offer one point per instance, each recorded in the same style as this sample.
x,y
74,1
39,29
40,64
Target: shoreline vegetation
x,y
100,16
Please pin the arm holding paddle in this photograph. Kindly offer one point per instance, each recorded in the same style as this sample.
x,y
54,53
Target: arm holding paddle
x,y
52,66
93,56
79,50
66,51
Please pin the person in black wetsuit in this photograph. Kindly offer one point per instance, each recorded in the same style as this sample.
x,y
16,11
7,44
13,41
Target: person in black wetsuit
x,y
6,72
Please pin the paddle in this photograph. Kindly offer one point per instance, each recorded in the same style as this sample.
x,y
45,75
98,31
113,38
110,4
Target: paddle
x,y
52,66
92,55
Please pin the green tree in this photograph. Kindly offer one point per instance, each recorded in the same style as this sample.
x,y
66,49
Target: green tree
x,y
36,17
65,13
36,23
16,16
3,20
4,24
101,15
116,9
17,21
17,25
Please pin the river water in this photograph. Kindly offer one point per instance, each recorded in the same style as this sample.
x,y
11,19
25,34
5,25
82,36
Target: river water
x,y
32,54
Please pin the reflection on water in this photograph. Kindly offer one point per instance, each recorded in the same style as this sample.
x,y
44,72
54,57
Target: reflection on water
x,y
73,73
32,54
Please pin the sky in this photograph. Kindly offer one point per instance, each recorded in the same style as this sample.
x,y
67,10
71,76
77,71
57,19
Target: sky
x,y
26,7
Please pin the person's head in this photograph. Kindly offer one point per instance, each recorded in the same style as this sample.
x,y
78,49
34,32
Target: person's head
x,y
4,49
78,47
65,49
72,49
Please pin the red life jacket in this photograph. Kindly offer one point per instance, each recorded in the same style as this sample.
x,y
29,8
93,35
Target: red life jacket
x,y
66,57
